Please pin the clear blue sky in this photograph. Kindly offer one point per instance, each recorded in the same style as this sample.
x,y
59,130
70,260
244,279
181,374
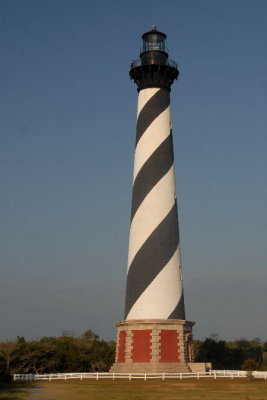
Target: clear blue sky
x,y
67,130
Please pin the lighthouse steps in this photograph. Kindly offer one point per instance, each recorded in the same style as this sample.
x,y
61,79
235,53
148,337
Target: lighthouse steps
x,y
150,368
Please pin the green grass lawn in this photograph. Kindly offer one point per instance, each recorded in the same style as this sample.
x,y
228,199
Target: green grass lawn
x,y
189,389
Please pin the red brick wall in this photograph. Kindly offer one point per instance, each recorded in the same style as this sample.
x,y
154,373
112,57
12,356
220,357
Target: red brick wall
x,y
141,351
169,348
121,346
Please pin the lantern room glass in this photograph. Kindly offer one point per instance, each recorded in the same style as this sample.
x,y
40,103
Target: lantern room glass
x,y
154,41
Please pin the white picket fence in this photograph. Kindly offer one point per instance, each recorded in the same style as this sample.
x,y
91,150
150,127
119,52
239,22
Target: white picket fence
x,y
145,376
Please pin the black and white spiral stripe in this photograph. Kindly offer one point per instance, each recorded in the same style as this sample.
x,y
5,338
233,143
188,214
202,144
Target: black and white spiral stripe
x,y
154,281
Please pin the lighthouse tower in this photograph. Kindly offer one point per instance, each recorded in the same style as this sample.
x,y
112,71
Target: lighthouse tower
x,y
154,336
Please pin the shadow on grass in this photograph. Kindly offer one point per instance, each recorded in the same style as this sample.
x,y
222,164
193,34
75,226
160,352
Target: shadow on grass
x,y
15,391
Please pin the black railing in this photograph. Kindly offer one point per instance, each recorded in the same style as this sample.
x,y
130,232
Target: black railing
x,y
139,62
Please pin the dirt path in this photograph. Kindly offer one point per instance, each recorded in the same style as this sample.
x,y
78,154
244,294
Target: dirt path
x,y
47,391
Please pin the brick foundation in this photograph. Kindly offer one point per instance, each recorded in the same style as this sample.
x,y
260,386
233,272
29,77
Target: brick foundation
x,y
121,346
153,345
169,346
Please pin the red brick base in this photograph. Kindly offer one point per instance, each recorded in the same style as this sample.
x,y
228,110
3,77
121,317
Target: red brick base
x,y
153,346
121,346
141,343
169,346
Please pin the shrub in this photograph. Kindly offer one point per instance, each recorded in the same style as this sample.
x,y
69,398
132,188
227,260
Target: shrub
x,y
250,365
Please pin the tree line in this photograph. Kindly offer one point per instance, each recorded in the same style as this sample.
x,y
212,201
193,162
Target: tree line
x,y
66,353
88,353
239,354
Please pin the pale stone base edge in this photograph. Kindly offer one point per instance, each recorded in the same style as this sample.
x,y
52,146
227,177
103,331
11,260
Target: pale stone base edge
x,y
199,367
160,367
149,367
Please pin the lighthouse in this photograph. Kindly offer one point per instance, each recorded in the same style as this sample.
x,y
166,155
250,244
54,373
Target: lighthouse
x,y
154,335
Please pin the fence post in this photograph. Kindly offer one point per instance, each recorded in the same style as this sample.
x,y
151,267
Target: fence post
x,y
130,377
163,376
97,376
198,375
113,376
214,374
